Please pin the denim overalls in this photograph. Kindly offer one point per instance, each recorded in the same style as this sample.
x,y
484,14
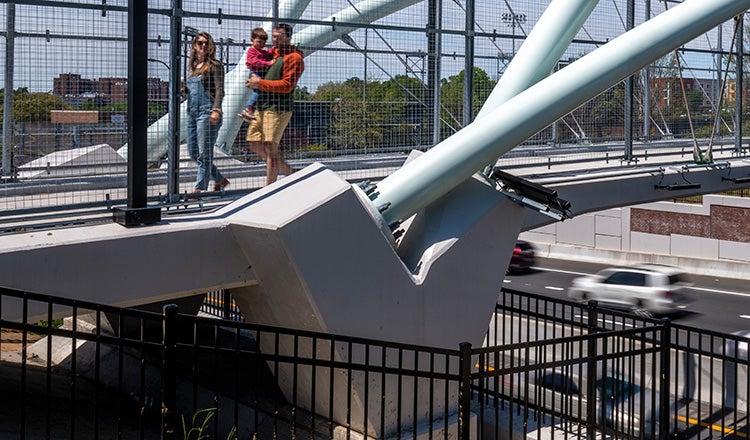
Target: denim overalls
x,y
201,133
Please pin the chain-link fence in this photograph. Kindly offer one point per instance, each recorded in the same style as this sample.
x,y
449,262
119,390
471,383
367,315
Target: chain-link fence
x,y
380,79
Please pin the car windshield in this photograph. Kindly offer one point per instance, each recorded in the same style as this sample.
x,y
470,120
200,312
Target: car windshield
x,y
627,278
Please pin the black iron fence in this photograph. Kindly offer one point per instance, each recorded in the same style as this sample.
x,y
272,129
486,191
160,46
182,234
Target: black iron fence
x,y
547,369
220,304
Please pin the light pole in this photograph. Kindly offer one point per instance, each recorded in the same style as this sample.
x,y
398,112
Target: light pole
x,y
154,60
512,19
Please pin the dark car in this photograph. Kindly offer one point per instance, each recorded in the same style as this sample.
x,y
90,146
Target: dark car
x,y
522,258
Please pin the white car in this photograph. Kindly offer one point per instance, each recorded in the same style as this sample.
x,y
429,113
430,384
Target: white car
x,y
643,289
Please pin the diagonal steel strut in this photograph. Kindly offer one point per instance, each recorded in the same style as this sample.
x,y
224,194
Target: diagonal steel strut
x,y
435,173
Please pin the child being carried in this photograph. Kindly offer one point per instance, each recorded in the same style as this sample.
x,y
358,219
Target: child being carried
x,y
257,60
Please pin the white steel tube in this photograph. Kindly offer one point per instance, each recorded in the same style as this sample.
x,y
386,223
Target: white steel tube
x,y
541,50
310,39
430,176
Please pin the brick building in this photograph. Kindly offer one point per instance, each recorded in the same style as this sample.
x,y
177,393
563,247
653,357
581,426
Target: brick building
x,y
75,89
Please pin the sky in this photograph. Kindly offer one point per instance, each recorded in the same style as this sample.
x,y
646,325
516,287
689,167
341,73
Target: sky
x,y
55,40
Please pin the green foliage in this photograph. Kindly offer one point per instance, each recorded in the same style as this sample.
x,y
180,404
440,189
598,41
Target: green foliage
x,y
313,148
156,109
56,323
301,94
365,114
695,100
356,124
452,98
89,105
121,106
401,88
371,114
199,423
604,111
34,106
350,89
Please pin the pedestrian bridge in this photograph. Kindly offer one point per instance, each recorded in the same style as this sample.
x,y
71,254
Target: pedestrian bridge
x,y
414,254
544,184
305,254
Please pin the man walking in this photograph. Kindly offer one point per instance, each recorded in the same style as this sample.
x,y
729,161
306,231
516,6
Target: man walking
x,y
275,103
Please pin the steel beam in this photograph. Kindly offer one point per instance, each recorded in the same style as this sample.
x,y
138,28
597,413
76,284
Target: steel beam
x,y
427,178
540,52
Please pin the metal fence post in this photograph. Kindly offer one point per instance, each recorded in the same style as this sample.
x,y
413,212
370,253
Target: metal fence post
x,y
169,373
664,373
226,304
464,392
137,212
9,117
591,371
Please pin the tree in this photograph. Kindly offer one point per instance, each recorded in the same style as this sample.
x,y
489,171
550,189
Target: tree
x,y
371,114
452,98
355,122
394,113
301,94
35,106
402,88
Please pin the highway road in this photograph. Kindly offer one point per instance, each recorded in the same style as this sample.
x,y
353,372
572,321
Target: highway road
x,y
717,390
723,304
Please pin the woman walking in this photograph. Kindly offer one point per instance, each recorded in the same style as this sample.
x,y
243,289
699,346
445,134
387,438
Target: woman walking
x,y
205,89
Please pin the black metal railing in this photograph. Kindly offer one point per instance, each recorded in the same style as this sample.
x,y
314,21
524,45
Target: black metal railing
x,y
220,304
547,368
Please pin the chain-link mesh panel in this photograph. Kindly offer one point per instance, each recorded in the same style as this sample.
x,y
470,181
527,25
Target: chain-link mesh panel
x,y
380,79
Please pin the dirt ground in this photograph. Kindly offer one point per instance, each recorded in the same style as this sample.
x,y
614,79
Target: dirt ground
x,y
38,402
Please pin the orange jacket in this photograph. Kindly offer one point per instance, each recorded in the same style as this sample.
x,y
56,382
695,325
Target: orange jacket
x,y
290,73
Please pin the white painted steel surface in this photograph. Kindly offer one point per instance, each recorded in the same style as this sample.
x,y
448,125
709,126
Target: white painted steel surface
x,y
541,51
424,180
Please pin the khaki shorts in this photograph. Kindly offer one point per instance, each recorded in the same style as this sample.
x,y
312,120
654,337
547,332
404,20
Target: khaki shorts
x,y
268,126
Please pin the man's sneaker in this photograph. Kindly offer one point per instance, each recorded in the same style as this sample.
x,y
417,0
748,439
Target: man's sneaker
x,y
246,116
221,184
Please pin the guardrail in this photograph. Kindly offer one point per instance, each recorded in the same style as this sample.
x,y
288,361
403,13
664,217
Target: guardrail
x,y
547,367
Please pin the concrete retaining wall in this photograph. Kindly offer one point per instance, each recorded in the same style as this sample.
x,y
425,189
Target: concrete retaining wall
x,y
712,238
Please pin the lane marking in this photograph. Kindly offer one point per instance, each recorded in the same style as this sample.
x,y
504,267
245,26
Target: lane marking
x,y
546,269
704,289
691,421
607,321
554,288
725,292
745,316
